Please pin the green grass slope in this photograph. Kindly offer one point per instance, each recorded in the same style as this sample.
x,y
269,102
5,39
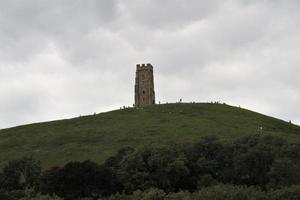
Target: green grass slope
x,y
96,137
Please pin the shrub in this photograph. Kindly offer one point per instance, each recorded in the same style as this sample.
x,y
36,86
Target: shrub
x,y
150,194
178,196
229,192
42,197
290,193
77,180
154,194
20,174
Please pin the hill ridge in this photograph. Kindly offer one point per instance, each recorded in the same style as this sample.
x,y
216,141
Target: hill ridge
x,y
96,137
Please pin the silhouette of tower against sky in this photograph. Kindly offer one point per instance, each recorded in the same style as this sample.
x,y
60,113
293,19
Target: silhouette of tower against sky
x,y
144,85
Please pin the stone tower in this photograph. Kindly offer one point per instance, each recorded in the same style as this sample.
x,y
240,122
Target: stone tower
x,y
144,85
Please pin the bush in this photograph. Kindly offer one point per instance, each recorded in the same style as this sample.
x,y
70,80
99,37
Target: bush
x,y
150,194
162,167
42,197
220,192
178,196
20,174
77,180
12,195
228,192
290,193
154,194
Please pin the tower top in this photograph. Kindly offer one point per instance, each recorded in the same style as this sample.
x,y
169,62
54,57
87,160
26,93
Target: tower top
x,y
144,66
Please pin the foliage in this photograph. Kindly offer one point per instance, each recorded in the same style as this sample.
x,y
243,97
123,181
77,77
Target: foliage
x,y
42,197
19,174
178,196
77,180
161,167
288,193
218,192
258,167
227,192
256,160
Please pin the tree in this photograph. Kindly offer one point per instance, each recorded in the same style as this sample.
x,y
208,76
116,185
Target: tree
x,y
207,161
288,193
19,174
228,192
252,167
161,167
283,173
78,180
253,159
49,181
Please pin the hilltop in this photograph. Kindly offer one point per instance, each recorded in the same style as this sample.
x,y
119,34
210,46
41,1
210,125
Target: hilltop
x,y
99,136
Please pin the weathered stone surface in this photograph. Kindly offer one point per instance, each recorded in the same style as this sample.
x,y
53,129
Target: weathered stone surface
x,y
144,85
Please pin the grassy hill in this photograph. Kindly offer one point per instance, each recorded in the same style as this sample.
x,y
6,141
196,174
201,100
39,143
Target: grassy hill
x,y
98,136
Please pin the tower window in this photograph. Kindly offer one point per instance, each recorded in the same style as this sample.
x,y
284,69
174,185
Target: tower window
x,y
143,91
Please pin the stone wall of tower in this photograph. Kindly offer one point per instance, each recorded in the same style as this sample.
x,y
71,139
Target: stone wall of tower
x,y
144,85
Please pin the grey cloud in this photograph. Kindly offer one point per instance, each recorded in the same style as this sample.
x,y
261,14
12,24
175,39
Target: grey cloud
x,y
170,14
27,27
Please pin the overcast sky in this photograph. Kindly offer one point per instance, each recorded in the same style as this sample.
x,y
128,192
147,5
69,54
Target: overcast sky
x,y
65,58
